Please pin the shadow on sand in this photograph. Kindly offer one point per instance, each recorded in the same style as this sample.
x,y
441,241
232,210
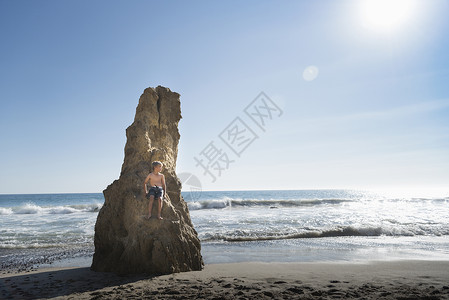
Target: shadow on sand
x,y
61,282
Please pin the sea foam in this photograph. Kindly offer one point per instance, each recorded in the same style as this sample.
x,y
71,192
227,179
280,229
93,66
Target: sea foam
x,y
5,211
30,208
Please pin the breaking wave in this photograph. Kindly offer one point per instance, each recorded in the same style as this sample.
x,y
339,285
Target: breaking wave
x,y
30,208
272,203
346,231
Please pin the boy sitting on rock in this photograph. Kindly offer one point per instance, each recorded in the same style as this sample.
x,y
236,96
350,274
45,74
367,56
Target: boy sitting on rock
x,y
158,188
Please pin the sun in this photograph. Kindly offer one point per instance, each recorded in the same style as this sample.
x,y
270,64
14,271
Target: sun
x,y
386,15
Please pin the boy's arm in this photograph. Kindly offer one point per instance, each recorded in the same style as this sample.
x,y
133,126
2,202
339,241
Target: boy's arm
x,y
145,184
163,184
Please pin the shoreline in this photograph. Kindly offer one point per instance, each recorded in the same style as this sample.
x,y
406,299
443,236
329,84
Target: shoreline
x,y
328,250
416,279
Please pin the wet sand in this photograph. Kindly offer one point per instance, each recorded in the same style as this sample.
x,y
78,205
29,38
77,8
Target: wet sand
x,y
376,280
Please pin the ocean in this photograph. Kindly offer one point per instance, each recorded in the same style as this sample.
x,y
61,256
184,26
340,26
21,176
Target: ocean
x,y
242,226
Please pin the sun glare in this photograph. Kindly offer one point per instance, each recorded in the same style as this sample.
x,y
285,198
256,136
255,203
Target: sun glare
x,y
386,15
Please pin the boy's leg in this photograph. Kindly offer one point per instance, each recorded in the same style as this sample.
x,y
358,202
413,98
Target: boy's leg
x,y
150,205
159,211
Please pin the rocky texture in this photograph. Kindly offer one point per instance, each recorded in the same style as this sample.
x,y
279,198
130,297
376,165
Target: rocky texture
x,y
125,241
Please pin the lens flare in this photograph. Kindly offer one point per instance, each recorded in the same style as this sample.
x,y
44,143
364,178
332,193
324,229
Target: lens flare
x,y
310,73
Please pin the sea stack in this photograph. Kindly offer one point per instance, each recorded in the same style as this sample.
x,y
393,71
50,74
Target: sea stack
x,y
126,242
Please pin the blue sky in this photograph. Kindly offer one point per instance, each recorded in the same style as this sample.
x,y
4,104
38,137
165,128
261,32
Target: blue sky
x,y
374,115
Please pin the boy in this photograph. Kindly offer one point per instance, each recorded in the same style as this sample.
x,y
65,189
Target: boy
x,y
158,188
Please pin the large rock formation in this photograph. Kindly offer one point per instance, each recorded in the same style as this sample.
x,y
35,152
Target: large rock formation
x,y
125,241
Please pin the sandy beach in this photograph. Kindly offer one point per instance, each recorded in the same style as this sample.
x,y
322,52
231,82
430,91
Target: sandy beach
x,y
376,280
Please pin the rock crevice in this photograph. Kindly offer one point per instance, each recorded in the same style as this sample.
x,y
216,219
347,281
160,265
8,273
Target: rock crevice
x,y
125,241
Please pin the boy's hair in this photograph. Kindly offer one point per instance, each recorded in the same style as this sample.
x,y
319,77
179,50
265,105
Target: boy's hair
x,y
155,164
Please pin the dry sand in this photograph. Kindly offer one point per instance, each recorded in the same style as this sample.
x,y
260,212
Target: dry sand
x,y
377,280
